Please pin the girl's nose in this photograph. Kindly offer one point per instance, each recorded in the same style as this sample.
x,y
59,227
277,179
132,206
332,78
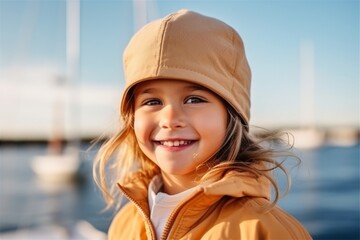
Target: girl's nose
x,y
172,117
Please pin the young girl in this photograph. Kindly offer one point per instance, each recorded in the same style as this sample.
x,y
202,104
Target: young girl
x,y
185,158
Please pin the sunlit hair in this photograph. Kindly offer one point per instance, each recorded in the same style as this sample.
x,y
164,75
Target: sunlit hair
x,y
258,154
240,151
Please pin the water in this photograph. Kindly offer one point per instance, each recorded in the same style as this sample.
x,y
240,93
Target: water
x,y
324,196
25,201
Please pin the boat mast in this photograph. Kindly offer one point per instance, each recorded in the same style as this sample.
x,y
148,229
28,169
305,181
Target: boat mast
x,y
72,63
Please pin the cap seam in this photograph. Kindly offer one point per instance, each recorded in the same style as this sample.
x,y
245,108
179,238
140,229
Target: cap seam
x,y
161,47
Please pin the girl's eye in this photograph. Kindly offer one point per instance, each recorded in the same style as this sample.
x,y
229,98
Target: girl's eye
x,y
194,100
151,102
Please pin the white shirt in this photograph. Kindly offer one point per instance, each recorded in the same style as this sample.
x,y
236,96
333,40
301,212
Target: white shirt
x,y
162,204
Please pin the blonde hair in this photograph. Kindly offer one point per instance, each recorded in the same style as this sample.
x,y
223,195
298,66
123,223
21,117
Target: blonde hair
x,y
240,151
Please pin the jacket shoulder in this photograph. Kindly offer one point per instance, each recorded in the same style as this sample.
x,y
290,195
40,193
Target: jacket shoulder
x,y
247,218
271,224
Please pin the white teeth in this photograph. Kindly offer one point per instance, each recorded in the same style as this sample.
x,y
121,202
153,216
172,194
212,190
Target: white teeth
x,y
175,143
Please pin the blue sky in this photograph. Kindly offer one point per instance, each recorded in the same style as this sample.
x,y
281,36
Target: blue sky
x,y
33,34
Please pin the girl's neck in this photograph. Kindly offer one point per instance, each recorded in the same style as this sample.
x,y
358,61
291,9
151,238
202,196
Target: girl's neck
x,y
173,184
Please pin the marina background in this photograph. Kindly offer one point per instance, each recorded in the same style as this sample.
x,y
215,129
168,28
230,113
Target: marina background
x,y
61,80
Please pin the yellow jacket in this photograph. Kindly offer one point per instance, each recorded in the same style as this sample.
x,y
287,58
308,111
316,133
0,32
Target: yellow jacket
x,y
231,208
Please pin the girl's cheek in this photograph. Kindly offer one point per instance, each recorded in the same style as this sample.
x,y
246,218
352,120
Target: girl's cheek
x,y
141,127
137,125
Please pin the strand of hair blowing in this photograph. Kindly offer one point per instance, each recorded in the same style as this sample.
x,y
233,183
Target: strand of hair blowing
x,y
244,153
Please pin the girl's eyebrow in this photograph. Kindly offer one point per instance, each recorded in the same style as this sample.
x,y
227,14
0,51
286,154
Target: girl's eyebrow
x,y
196,87
145,90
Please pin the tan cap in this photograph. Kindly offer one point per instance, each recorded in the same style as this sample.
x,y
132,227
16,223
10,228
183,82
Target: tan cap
x,y
189,46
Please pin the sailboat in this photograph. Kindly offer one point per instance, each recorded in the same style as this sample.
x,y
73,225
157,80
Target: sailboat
x,y
62,162
56,167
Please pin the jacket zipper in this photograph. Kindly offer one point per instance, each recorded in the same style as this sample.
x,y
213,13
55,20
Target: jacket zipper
x,y
173,216
148,220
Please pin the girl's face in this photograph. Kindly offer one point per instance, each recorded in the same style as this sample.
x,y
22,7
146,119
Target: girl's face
x,y
178,124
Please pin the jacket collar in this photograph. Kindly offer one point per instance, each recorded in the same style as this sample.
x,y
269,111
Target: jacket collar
x,y
239,184
234,184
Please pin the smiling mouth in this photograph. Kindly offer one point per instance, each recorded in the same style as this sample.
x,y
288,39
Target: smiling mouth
x,y
176,143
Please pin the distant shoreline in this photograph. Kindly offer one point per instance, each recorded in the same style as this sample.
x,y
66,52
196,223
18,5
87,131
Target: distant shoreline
x,y
337,136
